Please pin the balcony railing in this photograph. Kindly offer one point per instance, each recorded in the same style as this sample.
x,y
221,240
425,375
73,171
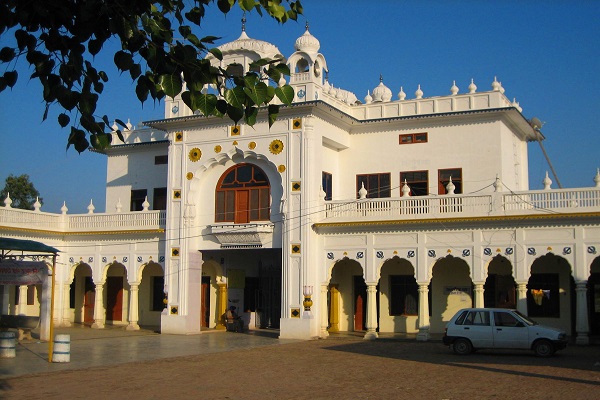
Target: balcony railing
x,y
448,206
63,223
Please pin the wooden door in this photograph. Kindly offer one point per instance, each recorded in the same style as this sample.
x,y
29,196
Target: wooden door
x,y
242,206
89,299
114,298
205,302
360,303
334,308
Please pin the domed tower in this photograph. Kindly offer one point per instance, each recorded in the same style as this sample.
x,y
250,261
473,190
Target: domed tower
x,y
307,67
237,57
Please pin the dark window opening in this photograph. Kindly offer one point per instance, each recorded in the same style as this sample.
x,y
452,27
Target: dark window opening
x,y
377,185
160,198
158,294
404,295
543,298
327,182
444,176
138,197
163,159
418,182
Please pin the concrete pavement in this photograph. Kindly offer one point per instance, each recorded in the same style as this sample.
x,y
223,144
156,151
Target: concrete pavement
x,y
115,345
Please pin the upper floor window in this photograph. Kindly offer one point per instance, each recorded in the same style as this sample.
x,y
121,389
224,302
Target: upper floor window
x,y
444,176
377,185
160,198
418,182
327,178
163,159
243,195
409,138
138,196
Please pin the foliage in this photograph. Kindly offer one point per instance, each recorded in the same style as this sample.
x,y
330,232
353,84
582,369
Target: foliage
x,y
22,192
61,38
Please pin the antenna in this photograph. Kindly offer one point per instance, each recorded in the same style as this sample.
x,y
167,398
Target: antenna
x,y
536,124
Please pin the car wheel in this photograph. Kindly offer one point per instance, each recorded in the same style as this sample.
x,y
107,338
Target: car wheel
x,y
543,348
462,346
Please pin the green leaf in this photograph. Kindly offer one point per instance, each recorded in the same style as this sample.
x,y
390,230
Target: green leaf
x,y
246,5
123,60
7,54
94,46
87,103
235,96
250,114
63,120
101,141
273,112
225,5
77,138
221,108
170,84
236,114
135,71
285,93
10,78
206,103
217,53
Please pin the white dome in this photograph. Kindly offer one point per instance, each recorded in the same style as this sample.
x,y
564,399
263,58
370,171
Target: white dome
x,y
307,43
245,43
382,92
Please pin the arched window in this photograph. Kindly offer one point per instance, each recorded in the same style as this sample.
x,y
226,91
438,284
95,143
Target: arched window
x,y
243,195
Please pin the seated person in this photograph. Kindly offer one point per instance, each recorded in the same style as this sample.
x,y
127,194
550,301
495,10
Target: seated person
x,y
232,317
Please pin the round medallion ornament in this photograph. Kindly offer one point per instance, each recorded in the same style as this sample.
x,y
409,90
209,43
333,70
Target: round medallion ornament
x,y
195,154
218,149
281,168
276,146
252,145
189,176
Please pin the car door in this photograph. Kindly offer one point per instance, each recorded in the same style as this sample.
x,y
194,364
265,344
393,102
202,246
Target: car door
x,y
477,328
509,331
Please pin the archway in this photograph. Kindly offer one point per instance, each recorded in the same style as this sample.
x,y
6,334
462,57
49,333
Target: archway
x,y
151,295
116,294
551,293
451,290
398,297
593,292
82,295
500,286
347,299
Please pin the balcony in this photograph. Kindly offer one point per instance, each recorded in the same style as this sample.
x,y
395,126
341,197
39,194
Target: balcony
x,y
497,204
243,235
13,218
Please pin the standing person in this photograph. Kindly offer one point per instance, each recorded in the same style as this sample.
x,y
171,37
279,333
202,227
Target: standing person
x,y
238,324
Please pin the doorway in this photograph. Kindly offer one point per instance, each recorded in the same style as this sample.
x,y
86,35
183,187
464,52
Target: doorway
x,y
360,303
89,299
205,302
114,298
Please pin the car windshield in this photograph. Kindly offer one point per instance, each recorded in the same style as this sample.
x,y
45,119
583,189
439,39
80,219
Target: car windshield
x,y
525,318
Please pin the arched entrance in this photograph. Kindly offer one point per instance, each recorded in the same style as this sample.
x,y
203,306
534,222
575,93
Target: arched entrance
x,y
398,297
347,297
82,295
593,292
116,294
151,295
500,286
551,293
451,290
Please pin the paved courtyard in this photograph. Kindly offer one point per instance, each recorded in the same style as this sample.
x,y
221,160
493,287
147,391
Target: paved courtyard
x,y
218,365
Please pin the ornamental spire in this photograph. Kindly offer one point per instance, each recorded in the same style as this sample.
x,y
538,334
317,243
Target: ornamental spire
x,y
244,22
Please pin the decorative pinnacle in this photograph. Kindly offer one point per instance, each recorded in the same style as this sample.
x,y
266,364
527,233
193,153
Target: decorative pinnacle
x,y
306,25
244,22
380,78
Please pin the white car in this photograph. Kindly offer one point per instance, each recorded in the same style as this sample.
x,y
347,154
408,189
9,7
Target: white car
x,y
498,328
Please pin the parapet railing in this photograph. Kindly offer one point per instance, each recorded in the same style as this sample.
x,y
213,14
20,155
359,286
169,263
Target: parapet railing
x,y
445,206
64,223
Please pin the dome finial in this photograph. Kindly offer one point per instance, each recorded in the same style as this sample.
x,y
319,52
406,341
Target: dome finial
x,y
306,25
244,22
380,77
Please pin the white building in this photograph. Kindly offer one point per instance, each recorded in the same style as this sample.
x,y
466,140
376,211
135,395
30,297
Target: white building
x,y
386,215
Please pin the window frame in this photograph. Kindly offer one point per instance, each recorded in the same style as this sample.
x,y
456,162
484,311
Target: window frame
x,y
413,138
412,183
380,192
230,192
457,181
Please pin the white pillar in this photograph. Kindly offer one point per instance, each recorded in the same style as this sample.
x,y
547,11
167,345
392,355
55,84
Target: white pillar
x,y
581,323
423,334
324,312
478,291
133,307
22,300
99,313
522,298
66,312
371,312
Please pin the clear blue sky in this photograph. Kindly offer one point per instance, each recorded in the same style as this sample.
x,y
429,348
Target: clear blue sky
x,y
545,53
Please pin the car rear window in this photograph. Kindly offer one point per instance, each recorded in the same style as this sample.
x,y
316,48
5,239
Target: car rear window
x,y
481,318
